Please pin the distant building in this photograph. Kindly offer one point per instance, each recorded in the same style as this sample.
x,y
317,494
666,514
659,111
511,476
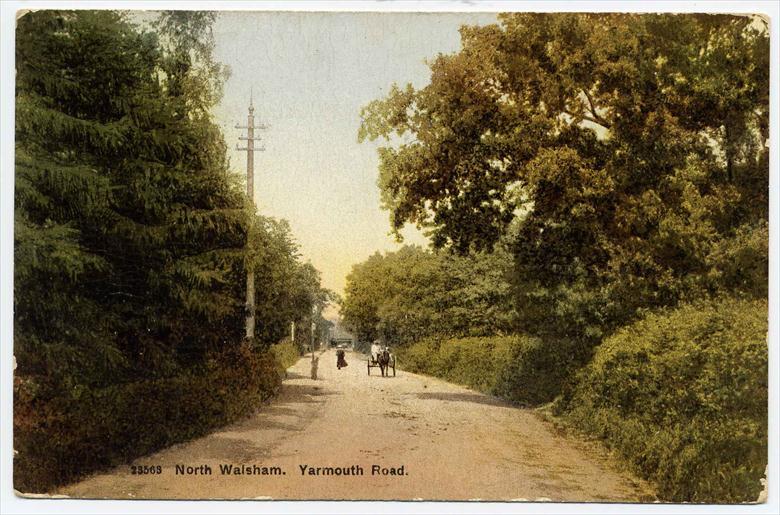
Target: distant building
x,y
339,334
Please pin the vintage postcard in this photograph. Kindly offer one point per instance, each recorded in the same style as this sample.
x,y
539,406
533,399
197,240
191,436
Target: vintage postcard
x,y
392,256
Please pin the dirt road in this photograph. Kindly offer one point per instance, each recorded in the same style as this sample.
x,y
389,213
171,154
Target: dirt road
x,y
452,443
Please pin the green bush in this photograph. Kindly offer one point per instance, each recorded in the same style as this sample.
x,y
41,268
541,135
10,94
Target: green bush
x,y
84,430
518,368
682,396
286,354
541,369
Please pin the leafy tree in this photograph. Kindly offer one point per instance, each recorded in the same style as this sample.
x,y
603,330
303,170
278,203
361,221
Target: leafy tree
x,y
364,289
412,293
620,152
188,41
288,290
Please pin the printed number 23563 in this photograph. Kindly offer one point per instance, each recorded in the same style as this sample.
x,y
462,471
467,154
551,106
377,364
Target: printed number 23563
x,y
146,469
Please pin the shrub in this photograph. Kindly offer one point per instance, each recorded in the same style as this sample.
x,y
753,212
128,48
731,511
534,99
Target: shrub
x,y
518,368
286,353
540,369
85,430
682,396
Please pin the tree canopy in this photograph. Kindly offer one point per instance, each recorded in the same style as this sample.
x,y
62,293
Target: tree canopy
x,y
623,155
406,295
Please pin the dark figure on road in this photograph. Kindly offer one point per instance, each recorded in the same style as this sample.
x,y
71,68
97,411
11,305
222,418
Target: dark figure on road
x,y
340,361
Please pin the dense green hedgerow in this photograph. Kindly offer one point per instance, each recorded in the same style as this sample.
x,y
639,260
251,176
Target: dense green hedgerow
x,y
286,353
682,395
518,368
474,362
86,430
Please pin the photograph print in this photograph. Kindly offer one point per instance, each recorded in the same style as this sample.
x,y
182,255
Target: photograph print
x,y
440,256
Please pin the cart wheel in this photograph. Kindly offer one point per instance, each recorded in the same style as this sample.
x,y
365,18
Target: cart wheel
x,y
393,367
368,367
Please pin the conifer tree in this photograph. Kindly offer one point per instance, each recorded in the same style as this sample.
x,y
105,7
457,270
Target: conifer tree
x,y
131,234
127,221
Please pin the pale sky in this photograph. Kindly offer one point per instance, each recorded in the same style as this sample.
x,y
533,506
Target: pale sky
x,y
311,73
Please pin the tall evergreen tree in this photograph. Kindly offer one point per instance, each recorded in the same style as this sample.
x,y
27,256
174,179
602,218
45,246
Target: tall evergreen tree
x,y
128,225
131,234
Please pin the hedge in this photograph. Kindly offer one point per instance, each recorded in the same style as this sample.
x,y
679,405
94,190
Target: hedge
x,y
518,368
59,440
682,396
286,353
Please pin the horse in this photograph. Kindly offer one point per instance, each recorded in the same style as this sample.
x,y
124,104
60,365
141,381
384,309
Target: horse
x,y
382,359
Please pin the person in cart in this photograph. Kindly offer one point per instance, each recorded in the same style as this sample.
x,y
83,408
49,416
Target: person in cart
x,y
375,350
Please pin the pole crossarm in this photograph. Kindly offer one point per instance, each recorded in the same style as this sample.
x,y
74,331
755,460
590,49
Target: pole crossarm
x,y
261,127
253,138
258,149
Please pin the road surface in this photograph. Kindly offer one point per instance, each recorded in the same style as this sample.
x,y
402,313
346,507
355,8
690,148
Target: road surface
x,y
411,436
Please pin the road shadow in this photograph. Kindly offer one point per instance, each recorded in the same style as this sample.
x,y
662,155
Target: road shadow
x,y
302,393
294,375
475,398
272,417
291,410
280,410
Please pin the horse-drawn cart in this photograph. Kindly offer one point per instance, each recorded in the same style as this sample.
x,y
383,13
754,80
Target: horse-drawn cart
x,y
384,360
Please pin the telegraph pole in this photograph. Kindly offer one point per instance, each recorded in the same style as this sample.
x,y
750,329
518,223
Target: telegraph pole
x,y
314,361
250,191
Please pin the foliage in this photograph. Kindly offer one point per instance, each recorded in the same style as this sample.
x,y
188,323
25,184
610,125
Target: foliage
x,y
133,185
131,235
132,242
473,362
623,158
286,288
188,42
518,368
682,395
741,262
409,294
620,152
286,353
89,429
